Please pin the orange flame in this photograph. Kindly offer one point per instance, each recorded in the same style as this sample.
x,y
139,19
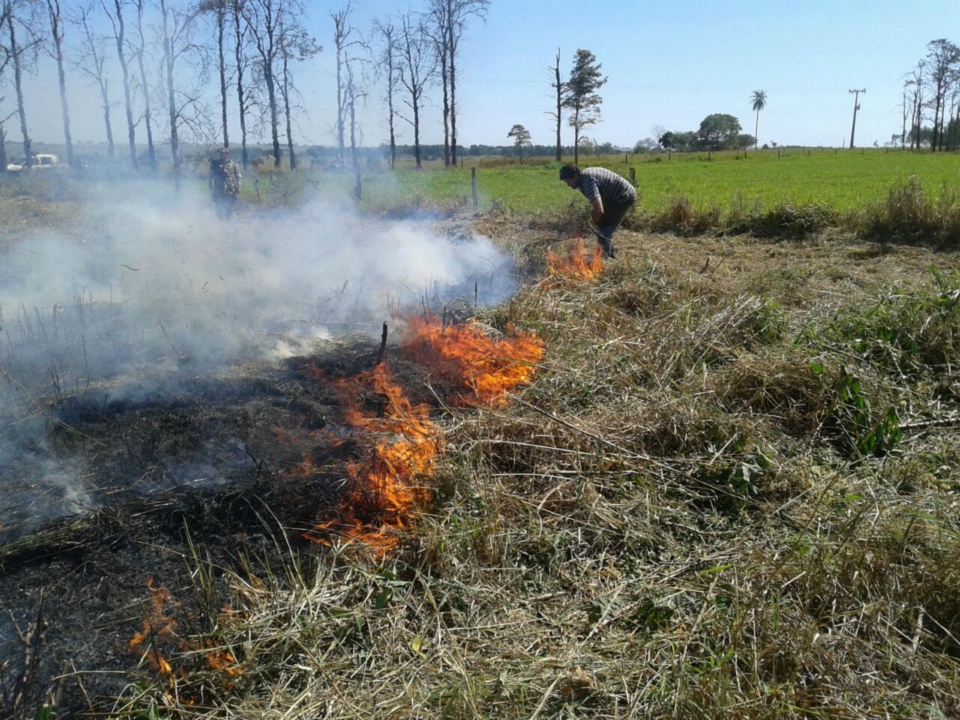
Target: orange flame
x,y
158,626
486,367
577,265
386,487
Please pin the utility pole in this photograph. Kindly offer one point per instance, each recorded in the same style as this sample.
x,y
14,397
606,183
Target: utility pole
x,y
856,106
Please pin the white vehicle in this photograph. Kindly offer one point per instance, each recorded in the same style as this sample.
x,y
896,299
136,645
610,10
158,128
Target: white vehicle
x,y
41,161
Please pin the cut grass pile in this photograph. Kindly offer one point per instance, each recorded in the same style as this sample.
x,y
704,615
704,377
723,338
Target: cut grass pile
x,y
730,492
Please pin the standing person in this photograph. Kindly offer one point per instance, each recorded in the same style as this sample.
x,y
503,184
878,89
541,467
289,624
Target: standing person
x,y
610,195
224,183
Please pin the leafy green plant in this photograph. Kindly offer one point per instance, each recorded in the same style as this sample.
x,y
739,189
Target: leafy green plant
x,y
860,430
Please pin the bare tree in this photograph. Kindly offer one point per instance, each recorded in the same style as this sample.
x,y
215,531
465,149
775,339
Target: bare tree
x,y
657,132
217,10
139,52
916,116
437,27
460,12
56,33
264,19
240,66
387,64
184,105
295,46
4,62
904,106
90,59
354,92
416,67
346,40
115,15
557,85
23,53
943,57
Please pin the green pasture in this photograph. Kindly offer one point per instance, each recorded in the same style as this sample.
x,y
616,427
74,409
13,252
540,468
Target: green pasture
x,y
842,180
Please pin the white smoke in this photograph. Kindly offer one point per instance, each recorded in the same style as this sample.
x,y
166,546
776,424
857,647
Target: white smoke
x,y
138,294
150,286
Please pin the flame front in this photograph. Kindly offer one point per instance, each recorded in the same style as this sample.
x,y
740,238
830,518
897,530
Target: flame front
x,y
578,265
486,368
386,487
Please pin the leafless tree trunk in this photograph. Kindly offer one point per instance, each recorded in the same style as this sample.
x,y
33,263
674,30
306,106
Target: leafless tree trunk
x,y
119,34
557,85
241,63
903,130
416,68
145,88
91,60
345,39
56,32
944,57
459,13
352,100
288,116
340,33
169,60
263,18
387,59
4,61
917,104
437,27
17,55
296,45
222,66
3,147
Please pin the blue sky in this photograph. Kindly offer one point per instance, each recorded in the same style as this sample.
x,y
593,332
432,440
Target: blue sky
x,y
668,64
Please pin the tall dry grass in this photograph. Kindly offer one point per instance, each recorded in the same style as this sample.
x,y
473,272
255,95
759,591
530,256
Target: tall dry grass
x,y
678,518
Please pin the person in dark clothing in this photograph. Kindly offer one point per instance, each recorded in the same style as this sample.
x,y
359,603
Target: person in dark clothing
x,y
224,183
610,195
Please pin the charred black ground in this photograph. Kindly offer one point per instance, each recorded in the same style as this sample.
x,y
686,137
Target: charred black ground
x,y
206,466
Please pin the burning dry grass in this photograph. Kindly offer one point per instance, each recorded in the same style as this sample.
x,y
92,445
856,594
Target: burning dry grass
x,y
698,509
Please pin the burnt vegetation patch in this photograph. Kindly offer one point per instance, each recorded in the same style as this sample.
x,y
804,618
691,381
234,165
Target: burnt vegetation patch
x,y
115,486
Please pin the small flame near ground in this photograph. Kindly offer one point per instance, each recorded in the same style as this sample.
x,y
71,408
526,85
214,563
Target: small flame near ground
x,y
159,627
385,488
578,264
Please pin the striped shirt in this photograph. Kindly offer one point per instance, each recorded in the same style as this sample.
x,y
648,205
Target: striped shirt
x,y
598,182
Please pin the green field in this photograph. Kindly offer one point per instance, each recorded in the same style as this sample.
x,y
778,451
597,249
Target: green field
x,y
842,180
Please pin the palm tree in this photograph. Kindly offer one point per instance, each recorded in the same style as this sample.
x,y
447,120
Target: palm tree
x,y
759,103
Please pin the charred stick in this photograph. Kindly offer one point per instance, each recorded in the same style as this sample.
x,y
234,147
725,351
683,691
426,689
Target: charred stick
x,y
383,344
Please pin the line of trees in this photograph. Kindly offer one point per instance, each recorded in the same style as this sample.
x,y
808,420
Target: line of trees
x,y
931,94
209,63
718,131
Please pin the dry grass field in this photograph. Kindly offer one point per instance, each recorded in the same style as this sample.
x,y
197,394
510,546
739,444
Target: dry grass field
x,y
727,488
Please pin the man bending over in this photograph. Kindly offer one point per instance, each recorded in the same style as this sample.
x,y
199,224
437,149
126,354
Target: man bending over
x,y
610,195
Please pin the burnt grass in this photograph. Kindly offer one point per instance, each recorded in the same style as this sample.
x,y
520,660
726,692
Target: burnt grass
x,y
201,471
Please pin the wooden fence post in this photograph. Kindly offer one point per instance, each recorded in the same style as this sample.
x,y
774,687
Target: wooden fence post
x,y
473,187
633,177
